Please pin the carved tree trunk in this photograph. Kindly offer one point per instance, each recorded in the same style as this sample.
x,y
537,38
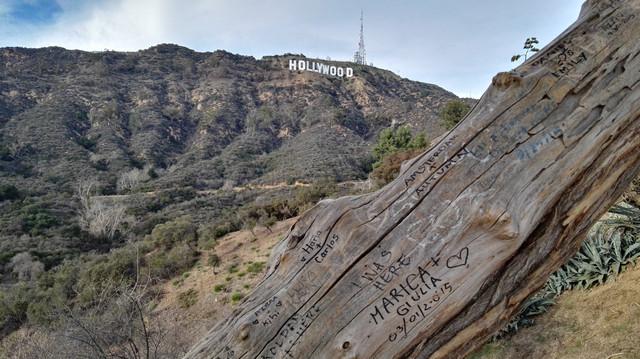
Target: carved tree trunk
x,y
434,263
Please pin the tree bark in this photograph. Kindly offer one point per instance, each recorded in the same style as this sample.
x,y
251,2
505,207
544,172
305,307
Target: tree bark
x,y
433,264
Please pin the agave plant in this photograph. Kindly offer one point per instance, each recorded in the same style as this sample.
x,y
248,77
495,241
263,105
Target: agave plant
x,y
625,216
532,307
611,245
557,283
591,265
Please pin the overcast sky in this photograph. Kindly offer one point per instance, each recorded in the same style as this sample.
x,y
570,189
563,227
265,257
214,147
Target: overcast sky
x,y
457,44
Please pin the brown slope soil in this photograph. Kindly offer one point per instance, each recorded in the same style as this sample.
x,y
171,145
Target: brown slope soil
x,y
209,306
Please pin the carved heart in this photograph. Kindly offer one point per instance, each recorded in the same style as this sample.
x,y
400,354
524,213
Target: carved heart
x,y
458,260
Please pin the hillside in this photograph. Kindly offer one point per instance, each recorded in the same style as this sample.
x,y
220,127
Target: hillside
x,y
202,119
105,156
175,120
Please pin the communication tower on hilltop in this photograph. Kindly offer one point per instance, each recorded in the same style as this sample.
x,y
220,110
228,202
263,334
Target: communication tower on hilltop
x,y
360,57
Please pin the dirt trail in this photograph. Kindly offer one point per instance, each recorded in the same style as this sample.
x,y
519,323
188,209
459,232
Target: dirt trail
x,y
234,189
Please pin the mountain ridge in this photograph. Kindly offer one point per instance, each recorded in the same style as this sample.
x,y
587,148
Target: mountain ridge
x,y
172,106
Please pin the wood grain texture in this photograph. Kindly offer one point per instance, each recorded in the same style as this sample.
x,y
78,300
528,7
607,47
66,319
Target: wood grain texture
x,y
434,263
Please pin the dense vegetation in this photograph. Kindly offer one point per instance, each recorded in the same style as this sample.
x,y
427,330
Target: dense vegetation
x,y
106,284
394,146
453,112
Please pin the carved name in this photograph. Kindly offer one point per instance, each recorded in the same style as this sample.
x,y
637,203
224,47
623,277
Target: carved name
x,y
418,292
269,310
380,275
288,335
442,171
528,150
311,247
430,163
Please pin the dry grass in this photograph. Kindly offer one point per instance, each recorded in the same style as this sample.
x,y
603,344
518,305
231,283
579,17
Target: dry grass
x,y
210,306
602,323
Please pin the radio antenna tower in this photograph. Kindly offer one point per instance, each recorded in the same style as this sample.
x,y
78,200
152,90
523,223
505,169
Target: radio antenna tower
x,y
360,57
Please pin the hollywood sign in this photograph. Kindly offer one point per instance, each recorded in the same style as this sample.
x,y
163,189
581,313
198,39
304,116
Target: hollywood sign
x,y
325,69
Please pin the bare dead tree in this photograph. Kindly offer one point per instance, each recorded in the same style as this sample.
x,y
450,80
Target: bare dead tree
x,y
130,179
97,217
25,266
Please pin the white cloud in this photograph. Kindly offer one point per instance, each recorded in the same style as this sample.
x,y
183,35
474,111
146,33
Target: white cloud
x,y
122,25
457,44
135,24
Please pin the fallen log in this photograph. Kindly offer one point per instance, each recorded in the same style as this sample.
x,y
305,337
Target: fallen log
x,y
433,264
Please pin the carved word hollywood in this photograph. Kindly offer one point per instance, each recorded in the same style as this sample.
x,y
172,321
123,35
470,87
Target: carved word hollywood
x,y
306,65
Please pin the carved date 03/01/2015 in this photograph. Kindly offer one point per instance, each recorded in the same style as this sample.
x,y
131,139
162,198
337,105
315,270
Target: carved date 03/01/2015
x,y
413,314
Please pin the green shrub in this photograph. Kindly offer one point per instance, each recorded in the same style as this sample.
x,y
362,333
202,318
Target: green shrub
x,y
62,281
452,113
37,223
5,153
87,143
168,234
188,298
101,165
393,147
166,264
314,193
115,269
219,288
151,172
354,122
171,196
8,192
37,219
110,188
256,267
214,260
146,226
233,268
5,256
223,229
207,237
393,140
13,306
41,310
236,296
135,162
